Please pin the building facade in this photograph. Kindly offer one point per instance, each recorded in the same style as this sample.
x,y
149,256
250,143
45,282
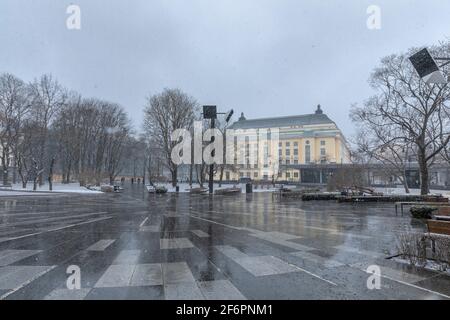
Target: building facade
x,y
301,141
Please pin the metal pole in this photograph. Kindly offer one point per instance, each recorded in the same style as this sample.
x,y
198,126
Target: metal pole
x,y
211,166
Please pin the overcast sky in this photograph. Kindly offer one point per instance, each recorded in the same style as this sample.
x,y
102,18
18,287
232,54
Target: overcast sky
x,y
261,57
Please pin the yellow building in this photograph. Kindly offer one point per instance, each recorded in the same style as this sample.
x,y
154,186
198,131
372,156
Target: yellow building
x,y
303,142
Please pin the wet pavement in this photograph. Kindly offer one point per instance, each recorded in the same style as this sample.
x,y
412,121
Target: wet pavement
x,y
139,246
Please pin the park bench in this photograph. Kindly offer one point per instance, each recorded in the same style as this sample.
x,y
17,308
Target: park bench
x,y
438,227
437,230
443,213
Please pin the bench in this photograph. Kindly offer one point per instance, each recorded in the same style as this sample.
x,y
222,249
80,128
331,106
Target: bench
x,y
438,227
437,230
443,211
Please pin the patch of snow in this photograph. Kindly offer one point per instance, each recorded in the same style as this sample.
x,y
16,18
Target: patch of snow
x,y
401,191
430,265
57,187
6,193
184,187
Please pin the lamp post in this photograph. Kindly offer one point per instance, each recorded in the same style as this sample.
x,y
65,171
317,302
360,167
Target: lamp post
x,y
210,112
427,68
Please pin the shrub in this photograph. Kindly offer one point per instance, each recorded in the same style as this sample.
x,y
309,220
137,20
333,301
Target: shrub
x,y
412,246
442,252
422,212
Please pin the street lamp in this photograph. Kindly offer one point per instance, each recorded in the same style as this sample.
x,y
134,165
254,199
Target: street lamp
x,y
210,112
427,68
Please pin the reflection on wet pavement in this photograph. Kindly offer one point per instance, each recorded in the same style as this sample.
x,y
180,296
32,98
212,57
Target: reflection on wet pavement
x,y
139,246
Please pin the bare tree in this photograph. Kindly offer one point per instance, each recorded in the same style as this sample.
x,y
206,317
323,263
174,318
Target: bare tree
x,y
14,105
417,111
164,113
385,145
48,97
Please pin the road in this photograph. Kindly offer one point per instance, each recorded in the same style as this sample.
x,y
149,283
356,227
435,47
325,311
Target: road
x,y
139,246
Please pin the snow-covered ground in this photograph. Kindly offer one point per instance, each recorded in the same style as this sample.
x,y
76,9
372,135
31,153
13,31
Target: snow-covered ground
x,y
57,187
401,191
184,187
6,193
430,265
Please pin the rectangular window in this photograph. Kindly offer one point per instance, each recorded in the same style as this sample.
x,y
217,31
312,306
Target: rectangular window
x,y
295,174
295,152
307,154
322,142
288,144
323,152
255,174
288,175
288,161
288,152
295,144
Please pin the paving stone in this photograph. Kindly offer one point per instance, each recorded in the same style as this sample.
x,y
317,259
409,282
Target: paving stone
x,y
147,275
175,243
12,277
127,257
183,291
265,265
200,233
220,290
66,294
100,245
8,257
116,276
177,272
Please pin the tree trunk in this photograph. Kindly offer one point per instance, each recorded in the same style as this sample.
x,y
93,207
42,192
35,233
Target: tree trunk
x,y
5,167
143,172
174,176
50,175
405,183
67,177
21,174
5,176
423,166
221,175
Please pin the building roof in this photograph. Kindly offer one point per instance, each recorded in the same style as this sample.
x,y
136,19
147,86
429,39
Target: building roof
x,y
278,122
